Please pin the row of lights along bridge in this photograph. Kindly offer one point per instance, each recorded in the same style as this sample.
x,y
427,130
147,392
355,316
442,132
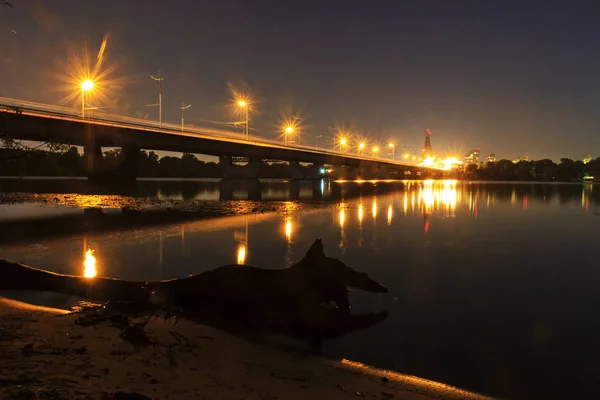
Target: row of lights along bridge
x,y
290,129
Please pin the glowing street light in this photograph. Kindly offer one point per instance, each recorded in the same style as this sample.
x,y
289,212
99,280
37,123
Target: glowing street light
x,y
343,143
183,108
243,104
391,145
289,130
406,155
375,150
86,86
361,147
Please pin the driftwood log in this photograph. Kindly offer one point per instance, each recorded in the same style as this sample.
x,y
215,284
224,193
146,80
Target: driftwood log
x,y
296,301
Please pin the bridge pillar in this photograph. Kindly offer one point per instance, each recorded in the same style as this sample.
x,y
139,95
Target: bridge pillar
x,y
226,166
295,170
92,157
96,170
252,169
226,189
294,192
129,167
249,171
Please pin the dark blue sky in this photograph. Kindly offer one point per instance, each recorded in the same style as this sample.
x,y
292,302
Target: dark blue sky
x,y
512,78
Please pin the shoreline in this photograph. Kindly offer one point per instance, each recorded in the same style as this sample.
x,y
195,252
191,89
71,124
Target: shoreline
x,y
45,353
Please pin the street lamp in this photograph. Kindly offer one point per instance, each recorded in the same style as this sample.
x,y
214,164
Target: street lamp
x,y
289,130
343,143
159,80
244,105
183,108
393,150
361,146
406,155
375,150
86,86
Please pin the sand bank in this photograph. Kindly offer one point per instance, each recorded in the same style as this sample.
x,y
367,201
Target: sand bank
x,y
44,354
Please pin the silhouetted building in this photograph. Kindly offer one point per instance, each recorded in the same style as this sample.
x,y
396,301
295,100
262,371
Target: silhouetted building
x,y
472,157
491,158
427,151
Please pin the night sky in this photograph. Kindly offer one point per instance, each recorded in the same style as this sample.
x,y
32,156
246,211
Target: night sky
x,y
513,78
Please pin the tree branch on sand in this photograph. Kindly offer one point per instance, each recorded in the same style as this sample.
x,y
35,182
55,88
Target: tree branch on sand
x,y
295,301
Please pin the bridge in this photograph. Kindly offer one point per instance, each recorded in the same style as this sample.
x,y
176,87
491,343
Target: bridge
x,y
23,120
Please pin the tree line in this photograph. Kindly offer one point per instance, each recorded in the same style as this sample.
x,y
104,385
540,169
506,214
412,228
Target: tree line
x,y
541,170
19,162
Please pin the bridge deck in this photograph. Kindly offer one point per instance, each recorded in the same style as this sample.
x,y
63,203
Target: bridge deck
x,y
44,123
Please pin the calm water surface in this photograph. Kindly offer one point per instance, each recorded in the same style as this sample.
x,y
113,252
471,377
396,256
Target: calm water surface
x,y
495,287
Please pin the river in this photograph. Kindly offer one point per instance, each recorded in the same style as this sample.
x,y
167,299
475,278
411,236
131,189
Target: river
x,y
494,287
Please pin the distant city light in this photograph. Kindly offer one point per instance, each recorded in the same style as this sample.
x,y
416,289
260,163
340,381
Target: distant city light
x,y
322,171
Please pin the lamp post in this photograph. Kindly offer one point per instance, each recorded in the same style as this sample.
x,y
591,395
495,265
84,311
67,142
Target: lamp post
x,y
361,147
243,104
86,86
183,108
289,130
393,150
317,141
159,80
343,143
375,150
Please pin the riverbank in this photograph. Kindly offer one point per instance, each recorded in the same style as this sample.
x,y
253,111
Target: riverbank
x,y
45,354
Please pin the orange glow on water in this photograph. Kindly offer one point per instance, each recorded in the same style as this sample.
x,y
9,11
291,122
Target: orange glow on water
x,y
241,254
288,228
89,264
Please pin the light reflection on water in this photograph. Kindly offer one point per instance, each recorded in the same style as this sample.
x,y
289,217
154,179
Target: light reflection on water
x,y
478,271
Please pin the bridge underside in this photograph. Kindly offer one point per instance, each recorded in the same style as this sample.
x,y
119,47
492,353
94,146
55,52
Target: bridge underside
x,y
94,136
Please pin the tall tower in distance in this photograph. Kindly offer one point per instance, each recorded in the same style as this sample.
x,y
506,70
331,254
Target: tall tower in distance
x,y
427,149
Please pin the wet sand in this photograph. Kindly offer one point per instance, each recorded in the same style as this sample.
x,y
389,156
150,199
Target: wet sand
x,y
44,354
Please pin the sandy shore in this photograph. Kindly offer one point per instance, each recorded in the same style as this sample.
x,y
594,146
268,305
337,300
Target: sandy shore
x,y
44,354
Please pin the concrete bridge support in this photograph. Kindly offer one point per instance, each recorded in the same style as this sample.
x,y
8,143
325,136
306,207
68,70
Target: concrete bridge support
x,y
296,172
294,190
97,169
231,171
